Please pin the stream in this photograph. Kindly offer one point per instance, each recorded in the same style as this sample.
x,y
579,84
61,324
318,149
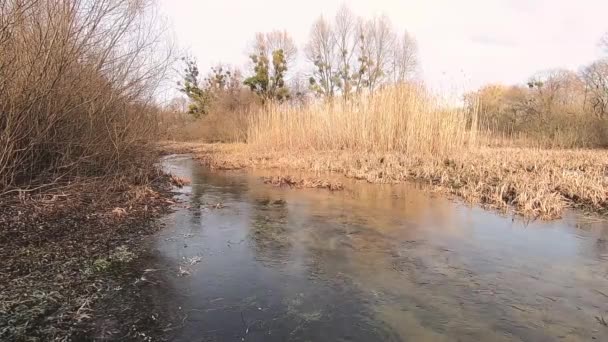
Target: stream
x,y
254,262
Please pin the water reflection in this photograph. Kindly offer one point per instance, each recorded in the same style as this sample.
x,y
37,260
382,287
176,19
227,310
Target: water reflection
x,y
268,234
375,263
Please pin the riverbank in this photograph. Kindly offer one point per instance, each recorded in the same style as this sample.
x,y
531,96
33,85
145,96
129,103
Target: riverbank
x,y
531,182
64,253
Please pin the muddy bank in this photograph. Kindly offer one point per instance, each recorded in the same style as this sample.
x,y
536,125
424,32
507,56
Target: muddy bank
x,y
64,253
530,182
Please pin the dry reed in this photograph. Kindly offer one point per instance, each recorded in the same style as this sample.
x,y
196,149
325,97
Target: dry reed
x,y
403,133
403,118
299,183
531,182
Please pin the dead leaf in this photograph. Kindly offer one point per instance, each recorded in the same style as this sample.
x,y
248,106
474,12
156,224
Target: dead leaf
x,y
119,212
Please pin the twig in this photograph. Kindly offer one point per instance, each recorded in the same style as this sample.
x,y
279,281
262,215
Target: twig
x,y
244,324
600,292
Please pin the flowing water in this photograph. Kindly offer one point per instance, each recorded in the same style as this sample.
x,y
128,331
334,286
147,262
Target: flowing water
x,y
253,262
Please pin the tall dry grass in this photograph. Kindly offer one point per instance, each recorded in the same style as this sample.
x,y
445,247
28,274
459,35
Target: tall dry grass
x,y
404,133
77,80
531,182
404,118
223,127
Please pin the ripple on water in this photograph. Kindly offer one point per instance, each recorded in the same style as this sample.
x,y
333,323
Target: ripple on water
x,y
375,262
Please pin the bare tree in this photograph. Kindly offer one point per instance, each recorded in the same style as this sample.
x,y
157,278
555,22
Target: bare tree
x,y
604,42
299,89
177,104
381,45
77,83
346,40
321,51
596,81
276,40
272,56
405,58
551,93
353,54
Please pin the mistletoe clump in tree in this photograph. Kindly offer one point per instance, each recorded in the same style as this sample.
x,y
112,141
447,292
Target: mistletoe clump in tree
x,y
271,56
222,81
200,98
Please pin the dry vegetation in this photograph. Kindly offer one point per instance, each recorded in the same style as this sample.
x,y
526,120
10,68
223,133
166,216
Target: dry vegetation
x,y
363,115
555,109
77,79
401,134
221,125
60,259
77,174
531,182
299,183
401,118
226,104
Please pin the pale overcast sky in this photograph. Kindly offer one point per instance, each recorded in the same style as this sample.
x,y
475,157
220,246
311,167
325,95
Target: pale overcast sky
x,y
463,43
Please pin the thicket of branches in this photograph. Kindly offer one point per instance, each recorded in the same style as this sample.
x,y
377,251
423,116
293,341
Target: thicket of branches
x,y
216,108
77,79
557,108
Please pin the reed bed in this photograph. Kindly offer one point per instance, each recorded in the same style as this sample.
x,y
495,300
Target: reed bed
x,y
404,133
535,183
403,118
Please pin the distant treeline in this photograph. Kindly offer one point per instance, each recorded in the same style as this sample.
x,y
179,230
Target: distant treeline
x,y
557,108
348,57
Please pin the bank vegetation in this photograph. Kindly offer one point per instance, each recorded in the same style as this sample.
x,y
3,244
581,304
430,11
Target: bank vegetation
x,y
77,80
359,108
78,181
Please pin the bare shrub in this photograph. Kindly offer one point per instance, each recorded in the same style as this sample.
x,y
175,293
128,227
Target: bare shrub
x,y
227,104
77,79
555,109
229,126
226,121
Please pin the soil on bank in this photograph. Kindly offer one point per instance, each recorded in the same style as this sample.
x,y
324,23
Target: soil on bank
x,y
66,254
530,182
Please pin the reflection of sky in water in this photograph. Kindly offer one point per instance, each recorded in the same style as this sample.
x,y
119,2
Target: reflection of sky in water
x,y
375,262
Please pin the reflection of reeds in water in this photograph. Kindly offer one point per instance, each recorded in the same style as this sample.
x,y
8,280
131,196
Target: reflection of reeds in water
x,y
532,182
269,228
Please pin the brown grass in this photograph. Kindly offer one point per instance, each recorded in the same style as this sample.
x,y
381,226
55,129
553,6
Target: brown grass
x,y
217,126
403,118
299,183
531,182
404,133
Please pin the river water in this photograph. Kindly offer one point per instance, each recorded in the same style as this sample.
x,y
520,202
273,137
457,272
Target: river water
x,y
247,261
